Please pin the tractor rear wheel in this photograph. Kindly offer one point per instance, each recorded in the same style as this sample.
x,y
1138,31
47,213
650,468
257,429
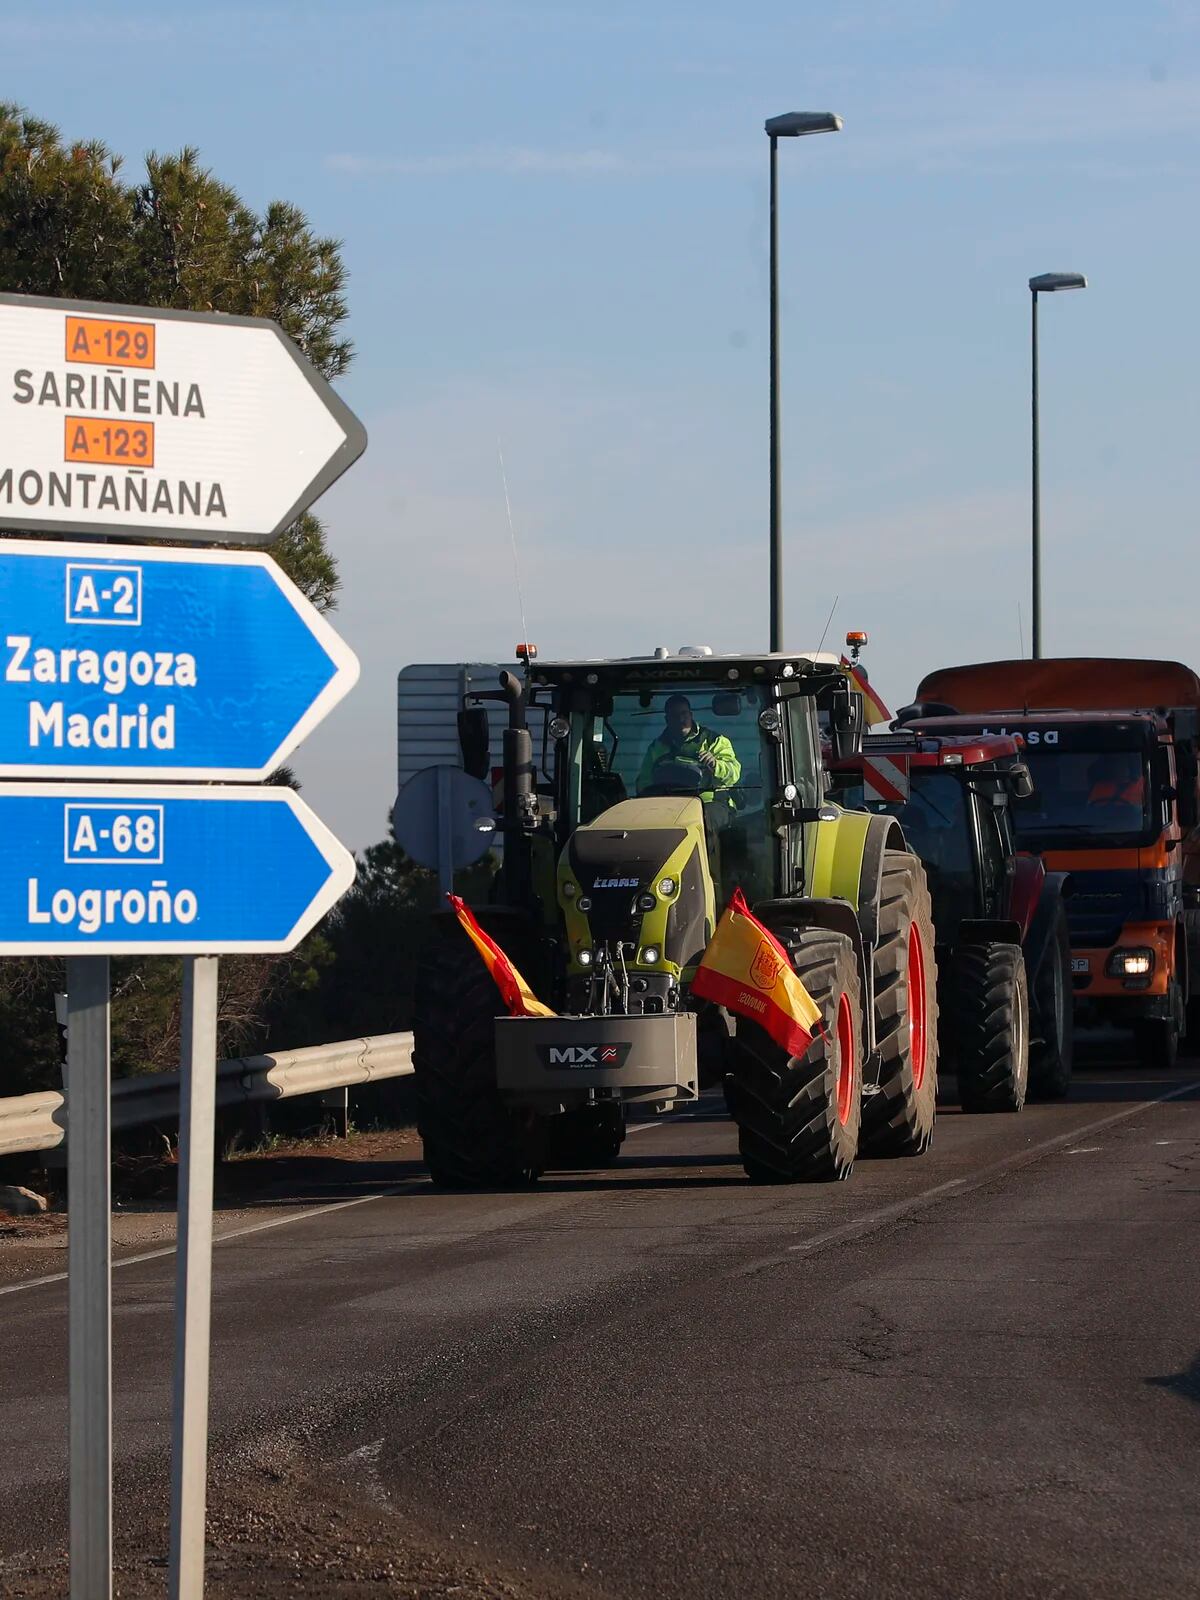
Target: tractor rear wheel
x,y
798,1116
1052,1007
898,1118
471,1138
590,1136
991,1026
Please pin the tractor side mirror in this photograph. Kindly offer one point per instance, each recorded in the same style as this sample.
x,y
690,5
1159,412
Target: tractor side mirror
x,y
474,741
846,717
1021,781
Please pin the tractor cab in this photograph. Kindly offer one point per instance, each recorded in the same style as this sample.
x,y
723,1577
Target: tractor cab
x,y
727,744
951,795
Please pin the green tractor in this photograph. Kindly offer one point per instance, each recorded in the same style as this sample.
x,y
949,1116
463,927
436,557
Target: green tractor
x,y
637,796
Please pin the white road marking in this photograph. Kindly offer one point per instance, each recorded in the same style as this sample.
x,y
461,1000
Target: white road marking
x,y
899,1208
858,1225
1085,1150
221,1238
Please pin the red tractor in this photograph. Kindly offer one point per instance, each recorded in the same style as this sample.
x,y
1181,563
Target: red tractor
x,y
1003,946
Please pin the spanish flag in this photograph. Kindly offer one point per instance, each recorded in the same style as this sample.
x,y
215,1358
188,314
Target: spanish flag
x,y
514,991
874,708
746,970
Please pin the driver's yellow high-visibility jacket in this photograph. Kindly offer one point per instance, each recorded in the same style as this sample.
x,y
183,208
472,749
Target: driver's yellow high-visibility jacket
x,y
726,774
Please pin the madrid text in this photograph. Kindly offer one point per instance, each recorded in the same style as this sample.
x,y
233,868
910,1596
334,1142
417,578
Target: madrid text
x,y
112,672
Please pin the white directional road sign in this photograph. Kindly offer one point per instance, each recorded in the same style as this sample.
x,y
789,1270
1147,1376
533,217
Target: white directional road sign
x,y
162,869
134,423
136,663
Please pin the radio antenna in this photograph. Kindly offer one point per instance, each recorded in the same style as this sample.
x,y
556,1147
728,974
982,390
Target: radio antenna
x,y
1021,630
512,534
828,620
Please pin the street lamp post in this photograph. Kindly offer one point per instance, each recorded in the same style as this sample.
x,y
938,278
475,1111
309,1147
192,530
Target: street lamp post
x,y
792,125
1045,283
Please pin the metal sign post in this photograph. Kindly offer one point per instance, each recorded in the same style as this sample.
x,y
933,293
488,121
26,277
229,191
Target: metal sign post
x,y
193,1278
89,1278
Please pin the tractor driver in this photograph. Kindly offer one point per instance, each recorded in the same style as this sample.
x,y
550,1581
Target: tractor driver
x,y
684,739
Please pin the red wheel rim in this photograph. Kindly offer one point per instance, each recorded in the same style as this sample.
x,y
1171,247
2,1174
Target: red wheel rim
x,y
917,1008
845,1047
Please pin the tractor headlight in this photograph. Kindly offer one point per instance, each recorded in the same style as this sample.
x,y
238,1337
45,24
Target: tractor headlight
x,y
585,902
568,890
667,887
1131,963
649,955
647,902
584,957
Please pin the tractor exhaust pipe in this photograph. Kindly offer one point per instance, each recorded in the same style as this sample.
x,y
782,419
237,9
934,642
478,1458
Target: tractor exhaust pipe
x,y
519,799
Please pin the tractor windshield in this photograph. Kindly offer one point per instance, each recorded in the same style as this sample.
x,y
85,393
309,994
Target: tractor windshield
x,y
937,825
686,738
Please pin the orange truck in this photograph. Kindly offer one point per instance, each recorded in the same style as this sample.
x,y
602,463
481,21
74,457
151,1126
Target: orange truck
x,y
1112,746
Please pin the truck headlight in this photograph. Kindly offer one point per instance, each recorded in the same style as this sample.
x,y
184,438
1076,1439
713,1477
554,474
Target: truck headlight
x,y
1133,963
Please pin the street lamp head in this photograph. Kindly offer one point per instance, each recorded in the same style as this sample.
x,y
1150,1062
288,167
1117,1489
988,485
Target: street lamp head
x,y
1048,282
794,123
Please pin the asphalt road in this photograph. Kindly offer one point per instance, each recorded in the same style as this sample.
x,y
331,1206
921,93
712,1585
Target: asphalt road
x,y
972,1374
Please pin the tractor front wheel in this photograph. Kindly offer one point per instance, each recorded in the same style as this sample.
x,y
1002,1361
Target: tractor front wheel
x,y
472,1139
897,1119
1052,1052
798,1116
991,1027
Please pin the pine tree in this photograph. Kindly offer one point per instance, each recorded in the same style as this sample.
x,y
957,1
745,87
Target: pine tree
x,y
70,225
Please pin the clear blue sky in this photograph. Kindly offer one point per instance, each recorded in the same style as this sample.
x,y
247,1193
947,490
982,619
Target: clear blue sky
x,y
554,220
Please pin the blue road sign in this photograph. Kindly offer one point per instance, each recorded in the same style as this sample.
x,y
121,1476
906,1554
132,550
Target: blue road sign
x,y
157,663
108,869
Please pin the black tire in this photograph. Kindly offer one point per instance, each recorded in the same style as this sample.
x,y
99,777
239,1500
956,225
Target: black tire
x,y
798,1116
472,1139
991,1027
1052,1018
1157,1038
588,1137
898,1119
1190,1044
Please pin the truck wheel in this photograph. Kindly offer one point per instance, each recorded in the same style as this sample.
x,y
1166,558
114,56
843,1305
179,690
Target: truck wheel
x,y
1052,1008
471,1138
1157,1038
991,1027
590,1136
898,1119
798,1116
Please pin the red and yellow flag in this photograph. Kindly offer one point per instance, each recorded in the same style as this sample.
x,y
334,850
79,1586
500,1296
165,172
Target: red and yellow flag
x,y
874,708
746,970
514,991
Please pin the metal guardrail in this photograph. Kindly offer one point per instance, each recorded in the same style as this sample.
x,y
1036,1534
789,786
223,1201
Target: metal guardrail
x,y
39,1121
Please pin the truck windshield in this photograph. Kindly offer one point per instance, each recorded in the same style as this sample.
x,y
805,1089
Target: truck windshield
x,y
1094,795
